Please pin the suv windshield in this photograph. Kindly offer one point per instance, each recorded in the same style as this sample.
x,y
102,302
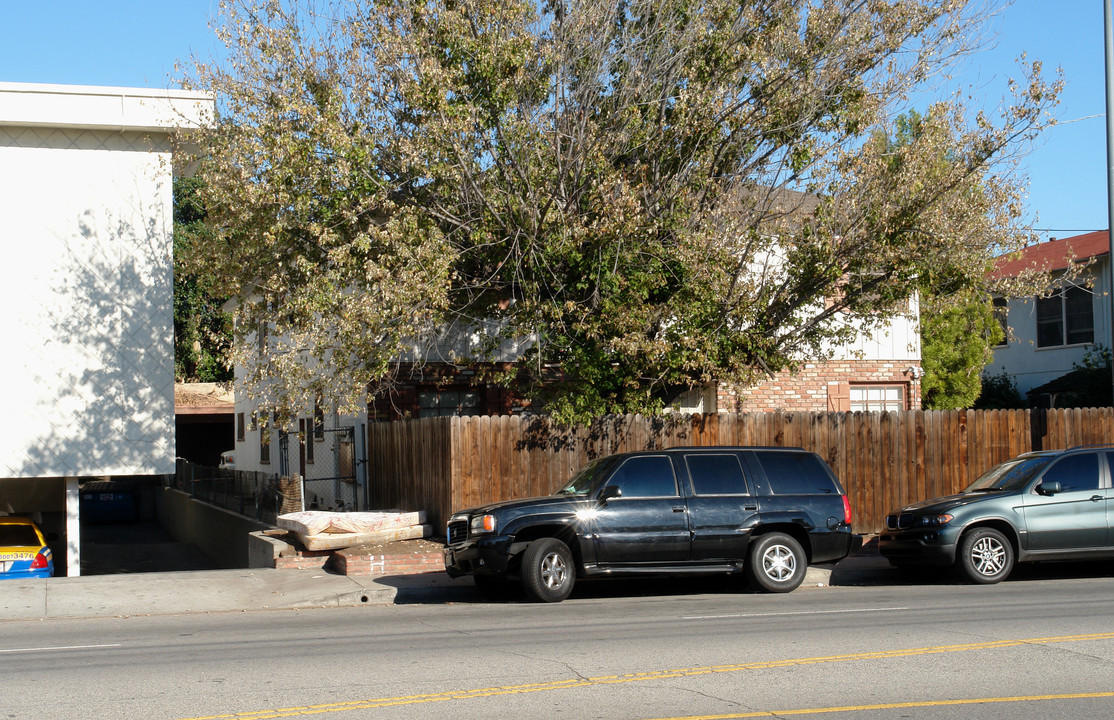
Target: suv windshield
x,y
588,479
1011,475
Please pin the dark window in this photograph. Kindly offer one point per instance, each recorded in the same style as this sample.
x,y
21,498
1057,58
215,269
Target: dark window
x,y
1075,472
791,473
649,476
264,441
716,474
306,439
1066,317
18,536
439,403
240,427
318,421
1079,316
1001,314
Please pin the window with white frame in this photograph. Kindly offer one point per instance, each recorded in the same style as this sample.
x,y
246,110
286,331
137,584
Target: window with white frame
x,y
877,398
1066,317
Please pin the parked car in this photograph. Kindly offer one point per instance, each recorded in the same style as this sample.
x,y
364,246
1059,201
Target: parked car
x,y
769,512
227,460
1038,506
23,550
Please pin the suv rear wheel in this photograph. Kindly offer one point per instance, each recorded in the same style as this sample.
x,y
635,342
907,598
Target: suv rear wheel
x,y
985,556
777,563
548,571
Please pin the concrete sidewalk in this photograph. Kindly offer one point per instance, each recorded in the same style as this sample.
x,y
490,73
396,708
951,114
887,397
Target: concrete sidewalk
x,y
204,591
201,591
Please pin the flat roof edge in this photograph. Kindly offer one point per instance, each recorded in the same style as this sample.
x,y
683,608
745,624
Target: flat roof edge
x,y
98,107
113,91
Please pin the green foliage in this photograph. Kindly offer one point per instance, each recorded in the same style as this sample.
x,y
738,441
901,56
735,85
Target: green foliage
x,y
999,392
641,196
1093,384
956,342
202,330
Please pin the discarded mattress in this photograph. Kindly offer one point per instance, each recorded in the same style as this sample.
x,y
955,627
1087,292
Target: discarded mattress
x,y
315,522
339,541
320,530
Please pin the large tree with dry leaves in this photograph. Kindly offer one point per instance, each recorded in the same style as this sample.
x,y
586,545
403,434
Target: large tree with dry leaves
x,y
638,197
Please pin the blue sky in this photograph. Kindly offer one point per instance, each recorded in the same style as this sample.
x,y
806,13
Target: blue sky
x,y
135,43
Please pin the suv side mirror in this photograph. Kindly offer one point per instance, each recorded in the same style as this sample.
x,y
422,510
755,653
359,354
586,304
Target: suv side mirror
x,y
1049,488
610,493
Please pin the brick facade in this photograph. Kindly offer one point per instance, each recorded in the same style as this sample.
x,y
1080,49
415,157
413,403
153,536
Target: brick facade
x,y
815,387
402,401
823,387
401,560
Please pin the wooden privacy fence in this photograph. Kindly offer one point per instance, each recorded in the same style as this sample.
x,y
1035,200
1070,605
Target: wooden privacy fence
x,y
883,460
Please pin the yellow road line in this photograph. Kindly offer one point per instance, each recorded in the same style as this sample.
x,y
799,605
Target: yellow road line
x,y
895,706
666,674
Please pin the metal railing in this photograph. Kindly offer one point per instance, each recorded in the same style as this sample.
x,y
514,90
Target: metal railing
x,y
261,496
329,464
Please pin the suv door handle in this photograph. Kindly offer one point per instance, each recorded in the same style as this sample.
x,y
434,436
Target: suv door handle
x,y
678,508
1097,498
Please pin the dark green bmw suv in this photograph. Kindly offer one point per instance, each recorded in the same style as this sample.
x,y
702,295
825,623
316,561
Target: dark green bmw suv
x,y
1038,506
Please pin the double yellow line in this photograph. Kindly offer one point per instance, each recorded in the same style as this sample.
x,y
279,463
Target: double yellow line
x,y
894,706
695,671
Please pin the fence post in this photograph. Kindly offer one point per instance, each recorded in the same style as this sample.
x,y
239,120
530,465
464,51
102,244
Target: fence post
x,y
361,468
1038,427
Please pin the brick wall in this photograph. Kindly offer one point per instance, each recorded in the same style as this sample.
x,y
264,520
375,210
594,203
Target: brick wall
x,y
353,561
401,402
349,562
821,387
304,560
815,387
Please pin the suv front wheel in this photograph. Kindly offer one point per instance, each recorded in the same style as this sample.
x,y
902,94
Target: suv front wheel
x,y
777,563
548,570
985,556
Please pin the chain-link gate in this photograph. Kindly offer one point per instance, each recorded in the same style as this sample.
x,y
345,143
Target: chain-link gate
x,y
330,463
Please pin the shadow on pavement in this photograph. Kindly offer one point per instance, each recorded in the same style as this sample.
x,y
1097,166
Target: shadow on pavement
x,y
137,547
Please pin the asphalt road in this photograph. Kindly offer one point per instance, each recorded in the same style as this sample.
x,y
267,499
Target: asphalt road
x,y
1038,647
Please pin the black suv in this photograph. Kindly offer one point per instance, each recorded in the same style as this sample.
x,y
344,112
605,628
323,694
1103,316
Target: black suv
x,y
769,511
1038,506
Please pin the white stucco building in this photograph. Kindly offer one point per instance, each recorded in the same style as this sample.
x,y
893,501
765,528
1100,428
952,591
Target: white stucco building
x,y
1048,336
86,221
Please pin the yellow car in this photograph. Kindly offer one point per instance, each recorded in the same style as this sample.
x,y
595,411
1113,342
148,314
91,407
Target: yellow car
x,y
23,550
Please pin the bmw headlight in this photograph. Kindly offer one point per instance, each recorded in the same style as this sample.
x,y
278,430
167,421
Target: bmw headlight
x,y
482,524
935,520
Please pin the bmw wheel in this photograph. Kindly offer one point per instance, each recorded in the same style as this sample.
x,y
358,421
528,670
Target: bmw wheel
x,y
985,556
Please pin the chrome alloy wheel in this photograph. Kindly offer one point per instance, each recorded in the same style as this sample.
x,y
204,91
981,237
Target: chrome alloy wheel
x,y
779,563
988,556
554,571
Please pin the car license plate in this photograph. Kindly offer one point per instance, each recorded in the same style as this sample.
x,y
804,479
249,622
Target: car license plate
x,y
448,556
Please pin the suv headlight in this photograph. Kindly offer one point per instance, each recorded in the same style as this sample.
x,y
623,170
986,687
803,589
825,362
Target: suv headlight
x,y
483,524
935,520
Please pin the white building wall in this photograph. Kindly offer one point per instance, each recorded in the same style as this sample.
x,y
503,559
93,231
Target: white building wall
x,y
898,340
85,223
1030,366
